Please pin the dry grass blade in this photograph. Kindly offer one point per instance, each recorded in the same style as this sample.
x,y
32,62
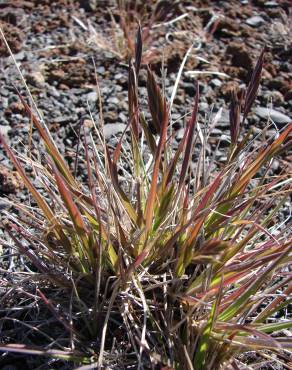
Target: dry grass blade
x,y
54,353
152,193
189,141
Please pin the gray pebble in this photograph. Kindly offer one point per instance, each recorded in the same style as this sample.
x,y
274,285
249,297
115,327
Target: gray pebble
x,y
113,100
255,21
4,130
112,129
203,107
92,97
271,4
216,82
190,88
275,115
123,117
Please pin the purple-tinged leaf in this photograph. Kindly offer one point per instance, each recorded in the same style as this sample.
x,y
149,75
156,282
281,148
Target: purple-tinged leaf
x,y
155,101
234,115
138,49
253,85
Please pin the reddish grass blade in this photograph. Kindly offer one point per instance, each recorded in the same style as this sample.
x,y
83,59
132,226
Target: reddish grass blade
x,y
242,329
70,205
52,150
237,305
209,194
26,251
274,304
57,229
186,250
38,198
263,157
260,343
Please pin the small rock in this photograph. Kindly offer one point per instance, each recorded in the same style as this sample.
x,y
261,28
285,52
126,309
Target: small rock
x,y
4,92
92,97
113,100
190,88
216,132
20,56
203,107
275,165
240,56
110,116
271,4
179,100
65,119
112,129
123,117
223,120
36,79
63,87
275,115
216,82
4,130
10,181
180,134
275,96
88,5
255,21
54,92
3,103
88,123
15,107
100,70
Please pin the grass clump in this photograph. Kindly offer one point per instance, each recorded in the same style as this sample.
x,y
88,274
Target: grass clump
x,y
149,264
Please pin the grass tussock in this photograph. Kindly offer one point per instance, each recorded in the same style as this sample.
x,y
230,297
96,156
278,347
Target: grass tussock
x,y
152,262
